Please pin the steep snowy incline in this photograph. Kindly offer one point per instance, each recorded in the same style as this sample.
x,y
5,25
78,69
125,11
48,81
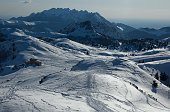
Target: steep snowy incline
x,y
158,60
71,80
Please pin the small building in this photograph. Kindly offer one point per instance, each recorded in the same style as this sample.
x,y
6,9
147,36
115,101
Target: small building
x,y
34,62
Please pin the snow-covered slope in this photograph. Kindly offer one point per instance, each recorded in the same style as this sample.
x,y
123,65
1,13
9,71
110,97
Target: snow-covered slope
x,y
158,59
70,80
167,39
86,32
55,20
125,28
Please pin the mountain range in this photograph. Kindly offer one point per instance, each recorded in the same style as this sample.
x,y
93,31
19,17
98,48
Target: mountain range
x,y
69,22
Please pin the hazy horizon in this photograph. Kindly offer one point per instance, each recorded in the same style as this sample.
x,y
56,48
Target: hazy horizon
x,y
136,13
156,24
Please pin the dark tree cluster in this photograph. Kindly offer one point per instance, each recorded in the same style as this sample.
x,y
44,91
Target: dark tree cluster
x,y
2,37
1,68
162,77
7,50
155,84
3,54
157,76
142,44
122,45
111,43
141,61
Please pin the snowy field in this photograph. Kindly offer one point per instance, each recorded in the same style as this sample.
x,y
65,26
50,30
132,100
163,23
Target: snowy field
x,y
72,81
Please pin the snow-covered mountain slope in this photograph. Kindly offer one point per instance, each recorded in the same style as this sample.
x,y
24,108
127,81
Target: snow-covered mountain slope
x,y
158,59
125,28
54,20
85,32
102,80
49,23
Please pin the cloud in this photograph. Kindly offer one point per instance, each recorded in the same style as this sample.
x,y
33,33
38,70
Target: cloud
x,y
27,1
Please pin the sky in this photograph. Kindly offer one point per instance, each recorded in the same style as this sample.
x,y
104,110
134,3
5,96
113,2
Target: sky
x,y
137,13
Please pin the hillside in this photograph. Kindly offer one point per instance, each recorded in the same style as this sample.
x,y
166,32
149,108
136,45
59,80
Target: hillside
x,y
70,79
158,60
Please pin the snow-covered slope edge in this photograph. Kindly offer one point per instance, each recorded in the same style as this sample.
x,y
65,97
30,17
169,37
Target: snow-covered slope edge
x,y
158,61
74,81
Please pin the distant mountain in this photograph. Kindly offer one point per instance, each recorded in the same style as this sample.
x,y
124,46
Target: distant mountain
x,y
63,22
137,34
55,20
165,29
63,15
133,33
161,33
152,31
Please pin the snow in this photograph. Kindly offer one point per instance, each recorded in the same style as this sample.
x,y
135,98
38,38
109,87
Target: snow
x,y
120,28
167,39
75,77
103,81
29,23
158,59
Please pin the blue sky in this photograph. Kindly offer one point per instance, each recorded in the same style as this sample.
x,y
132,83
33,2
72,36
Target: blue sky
x,y
116,10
